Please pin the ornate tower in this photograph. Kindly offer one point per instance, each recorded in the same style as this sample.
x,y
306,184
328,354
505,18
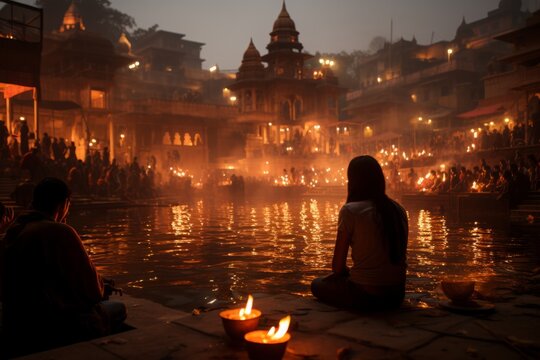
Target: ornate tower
x,y
282,108
285,57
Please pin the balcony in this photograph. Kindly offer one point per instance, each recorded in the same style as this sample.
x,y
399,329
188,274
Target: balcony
x,y
161,107
464,64
501,84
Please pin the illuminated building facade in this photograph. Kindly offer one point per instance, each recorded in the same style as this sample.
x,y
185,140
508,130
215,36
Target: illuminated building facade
x,y
512,87
151,99
283,107
406,84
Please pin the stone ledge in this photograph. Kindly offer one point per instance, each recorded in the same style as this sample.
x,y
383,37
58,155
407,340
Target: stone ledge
x,y
320,332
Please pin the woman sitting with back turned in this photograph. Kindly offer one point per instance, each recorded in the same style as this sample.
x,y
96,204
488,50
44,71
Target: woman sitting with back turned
x,y
376,229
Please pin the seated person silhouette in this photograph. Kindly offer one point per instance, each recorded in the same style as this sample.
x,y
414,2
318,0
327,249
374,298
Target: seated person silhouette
x,y
375,228
52,293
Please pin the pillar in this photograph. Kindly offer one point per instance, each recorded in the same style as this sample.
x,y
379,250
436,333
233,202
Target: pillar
x,y
8,114
36,113
112,140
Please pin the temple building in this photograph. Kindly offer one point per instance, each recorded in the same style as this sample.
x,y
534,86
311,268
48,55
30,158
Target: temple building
x,y
150,99
426,87
77,79
283,107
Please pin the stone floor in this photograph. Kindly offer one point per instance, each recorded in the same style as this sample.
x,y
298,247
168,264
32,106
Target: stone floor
x,y
419,330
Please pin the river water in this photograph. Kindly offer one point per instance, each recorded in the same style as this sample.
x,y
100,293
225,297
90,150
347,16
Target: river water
x,y
207,252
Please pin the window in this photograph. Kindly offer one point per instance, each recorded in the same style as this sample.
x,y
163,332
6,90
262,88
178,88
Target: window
x,y
167,138
97,99
286,110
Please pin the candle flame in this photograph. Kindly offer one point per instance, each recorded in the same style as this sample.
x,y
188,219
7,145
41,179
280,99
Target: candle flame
x,y
282,330
249,305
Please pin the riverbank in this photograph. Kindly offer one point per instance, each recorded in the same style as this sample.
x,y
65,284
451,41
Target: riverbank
x,y
419,330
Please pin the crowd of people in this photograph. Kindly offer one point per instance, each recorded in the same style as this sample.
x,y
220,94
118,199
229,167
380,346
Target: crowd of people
x,y
513,179
96,175
486,138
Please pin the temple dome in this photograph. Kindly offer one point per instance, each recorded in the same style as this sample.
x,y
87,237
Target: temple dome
x,y
252,66
124,45
251,52
284,35
72,19
284,21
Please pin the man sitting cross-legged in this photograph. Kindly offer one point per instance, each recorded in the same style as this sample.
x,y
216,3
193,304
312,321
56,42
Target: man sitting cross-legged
x,y
52,293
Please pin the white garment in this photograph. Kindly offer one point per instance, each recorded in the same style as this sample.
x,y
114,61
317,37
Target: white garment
x,y
370,253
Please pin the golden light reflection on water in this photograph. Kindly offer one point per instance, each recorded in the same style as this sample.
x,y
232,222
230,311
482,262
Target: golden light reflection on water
x,y
314,254
425,238
224,250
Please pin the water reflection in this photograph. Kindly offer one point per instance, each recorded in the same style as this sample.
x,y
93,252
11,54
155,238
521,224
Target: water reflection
x,y
214,250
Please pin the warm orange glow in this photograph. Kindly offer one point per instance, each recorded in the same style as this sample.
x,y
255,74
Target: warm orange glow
x,y
97,99
249,305
245,313
272,336
282,330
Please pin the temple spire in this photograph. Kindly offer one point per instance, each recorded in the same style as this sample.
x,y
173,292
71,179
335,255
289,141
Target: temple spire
x,y
72,19
252,66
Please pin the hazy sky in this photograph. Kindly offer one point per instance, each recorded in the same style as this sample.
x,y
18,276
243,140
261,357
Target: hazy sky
x,y
225,26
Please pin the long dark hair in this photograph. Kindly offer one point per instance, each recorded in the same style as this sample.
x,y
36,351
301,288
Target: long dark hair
x,y
367,183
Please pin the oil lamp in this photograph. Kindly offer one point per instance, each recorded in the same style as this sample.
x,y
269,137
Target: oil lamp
x,y
238,322
269,345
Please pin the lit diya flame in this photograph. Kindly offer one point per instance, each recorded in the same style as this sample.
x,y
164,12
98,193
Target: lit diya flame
x,y
270,339
273,335
246,312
